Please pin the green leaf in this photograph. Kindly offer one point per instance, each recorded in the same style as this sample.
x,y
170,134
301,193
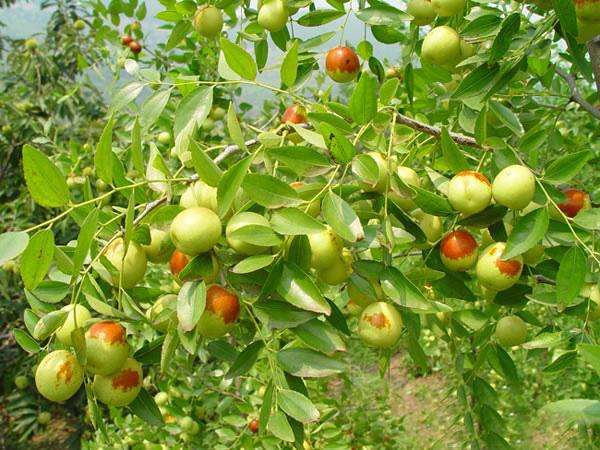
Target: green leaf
x,y
137,157
366,169
565,11
566,167
25,341
320,17
169,346
306,363
363,102
342,218
339,145
269,191
578,409
12,244
382,14
321,336
191,302
564,361
257,235
297,405
179,31
206,169
126,95
253,263
239,60
297,287
84,241
48,324
588,219
280,427
452,154
51,291
507,117
432,203
281,314
293,222
571,275
230,183
233,125
37,258
510,27
103,158
153,107
45,182
404,293
190,114
145,408
528,231
289,66
477,82
245,360
302,160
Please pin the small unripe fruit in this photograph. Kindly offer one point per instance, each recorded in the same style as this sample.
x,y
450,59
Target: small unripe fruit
x,y
458,250
447,8
220,314
273,16
31,44
469,192
135,47
511,331
208,21
577,200
363,292
79,24
131,269
342,64
164,137
421,10
533,256
121,388
338,271
160,248
107,347
21,381
159,314
514,187
44,418
380,325
239,221
199,194
495,273
382,180
441,47
294,114
195,230
187,423
135,26
161,398
325,248
126,40
398,196
59,376
429,224
254,426
77,316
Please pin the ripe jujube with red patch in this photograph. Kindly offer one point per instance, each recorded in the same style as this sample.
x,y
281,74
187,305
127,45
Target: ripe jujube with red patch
x,y
458,250
121,388
107,347
220,314
576,200
342,64
58,376
496,273
294,114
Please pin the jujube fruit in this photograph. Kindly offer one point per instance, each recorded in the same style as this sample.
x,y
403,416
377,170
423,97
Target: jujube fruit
x,y
399,195
126,40
59,376
421,10
120,388
273,15
441,47
44,418
447,8
294,114
129,270
431,225
342,64
576,201
254,426
339,270
325,248
511,331
160,248
76,314
382,180
469,192
195,230
241,220
208,21
220,314
159,314
21,381
363,291
135,47
161,398
79,24
458,250
107,347
200,194
514,187
495,273
164,137
380,325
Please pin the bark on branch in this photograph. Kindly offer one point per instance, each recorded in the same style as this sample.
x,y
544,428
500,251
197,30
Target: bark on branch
x,y
460,139
576,96
594,51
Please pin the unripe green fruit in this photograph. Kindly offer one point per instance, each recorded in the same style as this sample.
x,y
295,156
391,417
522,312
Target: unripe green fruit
x,y
382,180
533,256
511,331
592,292
588,10
59,376
441,47
338,271
77,314
325,248
208,21
241,220
161,398
164,137
199,194
514,187
79,24
100,185
380,325
273,16
121,388
106,347
400,197
363,292
21,381
44,418
466,50
160,248
447,8
495,273
208,124
217,113
131,269
430,225
31,44
6,129
220,314
159,314
458,250
469,192
421,10
195,230
189,425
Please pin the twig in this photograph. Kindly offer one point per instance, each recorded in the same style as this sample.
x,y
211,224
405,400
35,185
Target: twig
x,y
576,96
436,132
594,51
230,149
541,279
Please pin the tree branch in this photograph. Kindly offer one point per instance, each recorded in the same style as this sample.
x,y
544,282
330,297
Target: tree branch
x,y
576,96
594,50
460,139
